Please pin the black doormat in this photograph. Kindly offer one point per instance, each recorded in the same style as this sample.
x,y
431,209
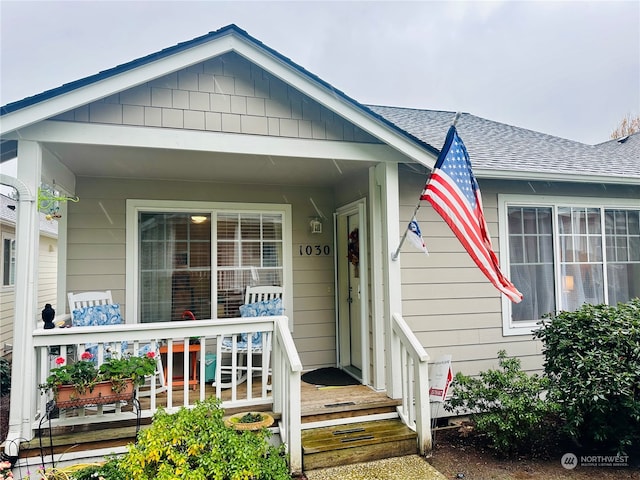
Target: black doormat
x,y
329,377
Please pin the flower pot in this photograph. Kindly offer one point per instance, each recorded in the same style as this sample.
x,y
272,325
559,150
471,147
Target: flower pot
x,y
67,396
234,421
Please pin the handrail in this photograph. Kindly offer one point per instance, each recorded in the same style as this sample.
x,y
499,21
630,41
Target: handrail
x,y
290,351
411,362
286,392
144,331
407,337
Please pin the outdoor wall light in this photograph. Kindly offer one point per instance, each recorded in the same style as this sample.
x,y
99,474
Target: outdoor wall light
x,y
315,225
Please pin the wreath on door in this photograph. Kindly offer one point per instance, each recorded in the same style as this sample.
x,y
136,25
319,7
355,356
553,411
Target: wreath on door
x,y
354,248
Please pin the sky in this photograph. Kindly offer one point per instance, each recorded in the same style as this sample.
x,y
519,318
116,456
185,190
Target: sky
x,y
566,68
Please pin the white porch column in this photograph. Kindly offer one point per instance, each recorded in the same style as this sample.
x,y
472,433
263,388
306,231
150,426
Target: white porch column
x,y
387,179
23,388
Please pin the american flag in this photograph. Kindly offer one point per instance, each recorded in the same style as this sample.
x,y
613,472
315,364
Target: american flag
x,y
453,192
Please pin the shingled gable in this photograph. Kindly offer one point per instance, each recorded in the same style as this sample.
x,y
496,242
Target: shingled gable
x,y
230,38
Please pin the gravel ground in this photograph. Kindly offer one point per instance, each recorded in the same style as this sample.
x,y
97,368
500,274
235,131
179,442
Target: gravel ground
x,y
402,468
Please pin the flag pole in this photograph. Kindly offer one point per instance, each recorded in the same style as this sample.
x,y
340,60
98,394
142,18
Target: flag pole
x,y
455,120
395,254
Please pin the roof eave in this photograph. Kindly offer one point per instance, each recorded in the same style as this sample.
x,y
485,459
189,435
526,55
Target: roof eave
x,y
554,177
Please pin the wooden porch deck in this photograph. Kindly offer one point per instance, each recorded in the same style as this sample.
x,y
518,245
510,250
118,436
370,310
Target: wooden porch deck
x,y
319,404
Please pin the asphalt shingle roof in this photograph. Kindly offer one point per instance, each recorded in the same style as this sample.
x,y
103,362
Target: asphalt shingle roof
x,y
497,146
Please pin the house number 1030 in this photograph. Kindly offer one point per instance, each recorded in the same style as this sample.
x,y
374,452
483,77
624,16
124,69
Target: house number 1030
x,y
315,250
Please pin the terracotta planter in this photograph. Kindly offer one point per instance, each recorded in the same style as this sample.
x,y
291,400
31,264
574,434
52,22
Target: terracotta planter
x,y
234,421
67,396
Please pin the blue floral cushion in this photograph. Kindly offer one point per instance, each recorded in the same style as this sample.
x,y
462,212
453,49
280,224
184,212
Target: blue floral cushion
x,y
266,308
97,315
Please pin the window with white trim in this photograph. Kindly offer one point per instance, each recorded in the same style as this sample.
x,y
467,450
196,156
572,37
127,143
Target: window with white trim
x,y
562,254
8,260
201,260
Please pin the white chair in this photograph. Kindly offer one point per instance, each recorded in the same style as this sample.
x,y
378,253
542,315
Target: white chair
x,y
258,301
97,308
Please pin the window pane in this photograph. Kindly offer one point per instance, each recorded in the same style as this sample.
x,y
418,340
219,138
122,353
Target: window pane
x,y
536,284
634,249
580,252
8,261
515,220
271,254
227,226
634,223
593,221
566,249
595,248
546,248
564,220
579,220
620,222
531,259
624,282
623,250
250,227
227,254
609,221
272,227
516,251
244,257
251,254
581,283
174,265
531,249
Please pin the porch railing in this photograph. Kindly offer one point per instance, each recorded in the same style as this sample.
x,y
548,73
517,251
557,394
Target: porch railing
x,y
411,360
197,338
287,400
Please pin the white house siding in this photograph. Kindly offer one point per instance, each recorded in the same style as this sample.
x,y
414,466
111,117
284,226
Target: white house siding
x,y
224,94
96,246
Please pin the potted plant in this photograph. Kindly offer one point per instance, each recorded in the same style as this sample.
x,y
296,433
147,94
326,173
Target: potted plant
x,y
84,383
249,421
128,368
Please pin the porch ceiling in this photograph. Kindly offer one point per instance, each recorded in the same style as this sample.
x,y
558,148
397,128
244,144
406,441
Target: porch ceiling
x,y
165,164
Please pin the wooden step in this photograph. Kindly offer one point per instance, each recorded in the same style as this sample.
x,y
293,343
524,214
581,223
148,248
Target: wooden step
x,y
331,403
355,443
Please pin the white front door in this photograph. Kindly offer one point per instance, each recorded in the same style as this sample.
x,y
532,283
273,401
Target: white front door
x,y
351,289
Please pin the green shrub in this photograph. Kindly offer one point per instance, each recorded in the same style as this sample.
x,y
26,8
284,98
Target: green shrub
x,y
5,377
508,407
592,357
195,444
